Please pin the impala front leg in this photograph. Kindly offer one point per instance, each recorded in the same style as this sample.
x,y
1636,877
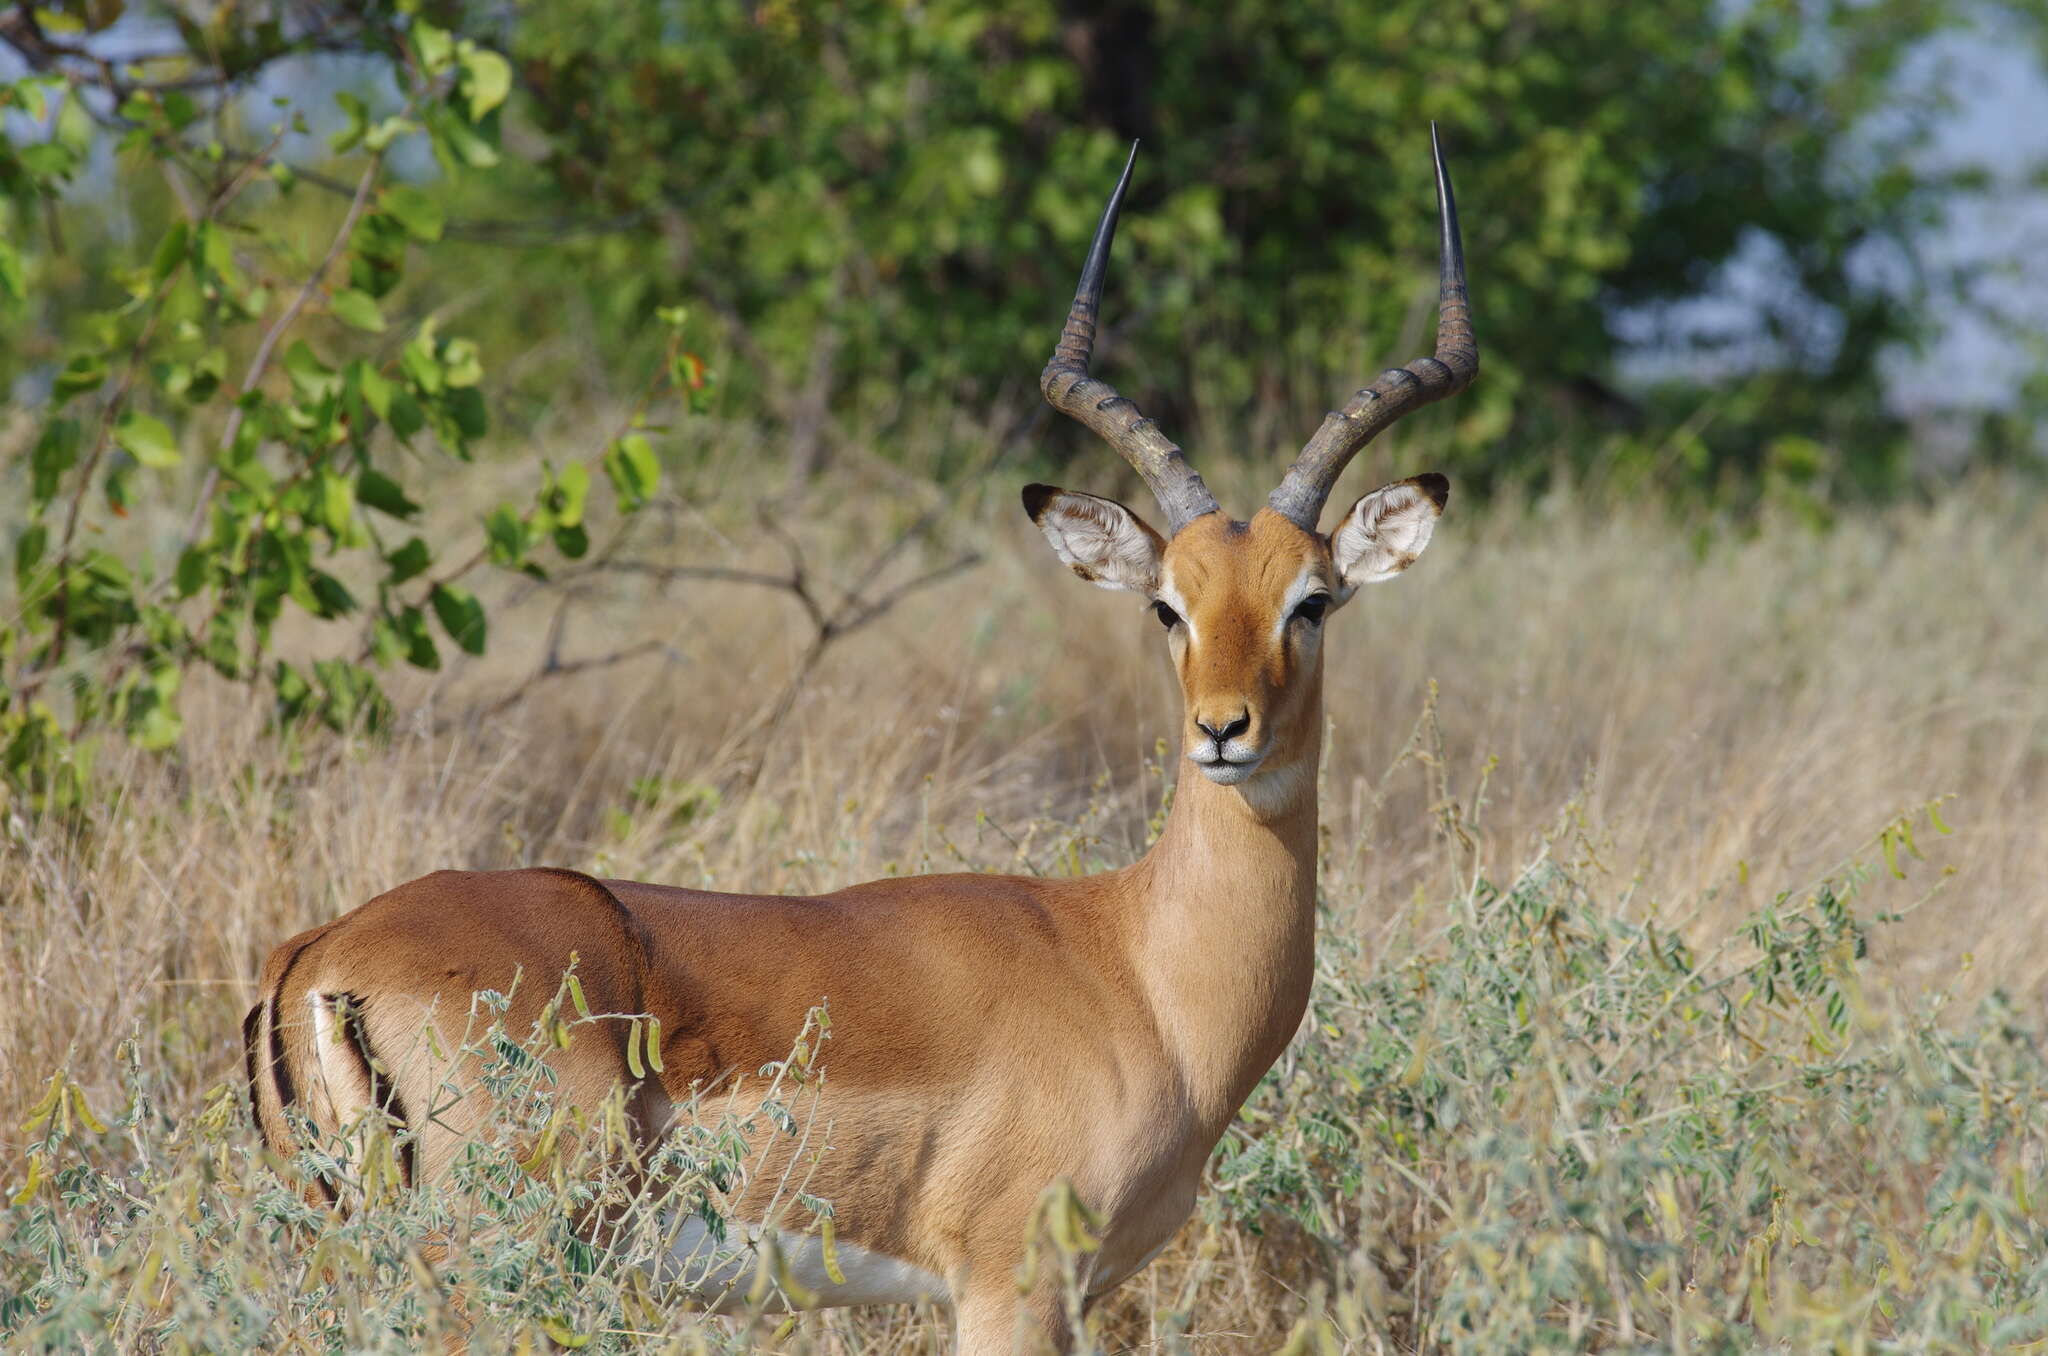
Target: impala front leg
x,y
994,1320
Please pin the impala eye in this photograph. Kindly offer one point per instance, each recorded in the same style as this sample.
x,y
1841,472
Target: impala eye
x,y
1168,618
1312,608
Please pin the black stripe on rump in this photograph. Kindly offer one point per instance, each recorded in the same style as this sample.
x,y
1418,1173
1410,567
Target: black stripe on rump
x,y
383,1088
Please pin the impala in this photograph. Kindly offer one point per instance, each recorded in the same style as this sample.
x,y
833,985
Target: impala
x,y
991,1034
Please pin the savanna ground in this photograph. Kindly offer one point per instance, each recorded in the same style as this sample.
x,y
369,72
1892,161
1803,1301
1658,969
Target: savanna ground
x,y
1615,800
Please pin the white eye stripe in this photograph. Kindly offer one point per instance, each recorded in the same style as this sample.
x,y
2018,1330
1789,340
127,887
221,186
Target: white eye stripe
x,y
1170,595
1305,584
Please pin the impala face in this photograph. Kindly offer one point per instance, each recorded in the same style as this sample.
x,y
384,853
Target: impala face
x,y
1243,605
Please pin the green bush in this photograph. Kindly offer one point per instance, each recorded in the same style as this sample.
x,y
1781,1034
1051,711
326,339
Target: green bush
x,y
1548,1125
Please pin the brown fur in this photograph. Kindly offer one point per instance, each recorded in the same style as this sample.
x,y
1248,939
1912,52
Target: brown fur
x,y
990,1035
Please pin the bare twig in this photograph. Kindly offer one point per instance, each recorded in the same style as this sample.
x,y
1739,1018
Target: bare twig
x,y
716,574
554,667
866,613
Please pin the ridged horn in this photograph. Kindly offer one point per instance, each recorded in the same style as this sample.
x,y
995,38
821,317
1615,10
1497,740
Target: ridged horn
x,y
1398,390
1072,390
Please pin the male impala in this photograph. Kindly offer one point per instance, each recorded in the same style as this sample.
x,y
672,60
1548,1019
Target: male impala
x,y
991,1034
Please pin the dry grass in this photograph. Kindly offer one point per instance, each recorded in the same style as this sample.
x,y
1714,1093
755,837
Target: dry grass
x,y
1726,705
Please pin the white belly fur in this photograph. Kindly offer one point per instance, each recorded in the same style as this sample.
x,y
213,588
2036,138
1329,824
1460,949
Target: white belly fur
x,y
721,1273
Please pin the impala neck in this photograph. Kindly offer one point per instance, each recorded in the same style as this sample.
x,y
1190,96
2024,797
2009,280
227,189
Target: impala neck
x,y
1226,942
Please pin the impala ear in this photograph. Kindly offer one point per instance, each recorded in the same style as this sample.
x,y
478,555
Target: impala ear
x,y
1386,530
1098,539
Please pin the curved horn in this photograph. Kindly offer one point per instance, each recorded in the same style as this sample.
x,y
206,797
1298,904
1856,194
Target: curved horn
x,y
1072,391
1397,390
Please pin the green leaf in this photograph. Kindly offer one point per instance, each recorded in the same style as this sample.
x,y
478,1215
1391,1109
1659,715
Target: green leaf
x,y
385,643
374,387
152,720
380,136
55,453
13,277
420,651
384,494
170,251
409,560
180,109
221,648
46,160
413,209
293,691
311,378
486,80
570,493
421,363
147,439
119,488
217,252
193,564
28,553
462,616
572,542
83,373
465,409
459,364
457,143
432,46
352,307
337,502
331,597
155,725
407,418
506,536
634,470
358,123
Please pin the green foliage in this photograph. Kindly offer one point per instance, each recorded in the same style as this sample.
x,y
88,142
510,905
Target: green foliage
x,y
1555,1119
899,199
885,207
129,571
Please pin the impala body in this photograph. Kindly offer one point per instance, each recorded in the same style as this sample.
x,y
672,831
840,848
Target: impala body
x,y
990,1035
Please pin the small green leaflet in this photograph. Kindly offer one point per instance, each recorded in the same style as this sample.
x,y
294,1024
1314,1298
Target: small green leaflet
x,y
462,616
147,439
357,308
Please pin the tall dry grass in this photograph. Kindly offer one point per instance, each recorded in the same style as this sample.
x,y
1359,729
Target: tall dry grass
x,y
1728,706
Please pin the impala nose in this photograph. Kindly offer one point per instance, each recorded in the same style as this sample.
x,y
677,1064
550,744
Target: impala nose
x,y
1238,724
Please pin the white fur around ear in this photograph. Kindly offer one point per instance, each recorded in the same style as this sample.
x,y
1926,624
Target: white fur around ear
x,y
1387,529
1098,539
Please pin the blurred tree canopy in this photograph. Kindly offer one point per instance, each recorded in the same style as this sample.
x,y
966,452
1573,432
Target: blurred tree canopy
x,y
878,207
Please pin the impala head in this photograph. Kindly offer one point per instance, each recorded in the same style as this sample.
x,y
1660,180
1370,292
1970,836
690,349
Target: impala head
x,y
1243,604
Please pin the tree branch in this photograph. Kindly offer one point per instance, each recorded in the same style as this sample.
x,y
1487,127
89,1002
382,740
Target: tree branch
x,y
260,362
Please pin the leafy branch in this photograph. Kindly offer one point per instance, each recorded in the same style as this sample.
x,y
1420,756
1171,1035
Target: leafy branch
x,y
302,482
